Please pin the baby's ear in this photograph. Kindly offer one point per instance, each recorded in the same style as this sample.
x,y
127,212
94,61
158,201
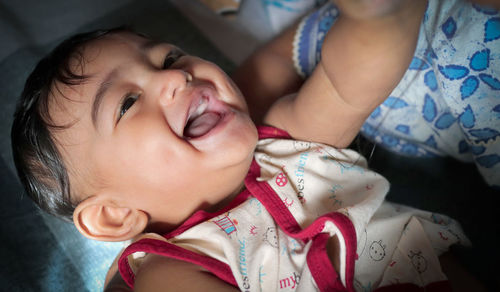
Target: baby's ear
x,y
102,220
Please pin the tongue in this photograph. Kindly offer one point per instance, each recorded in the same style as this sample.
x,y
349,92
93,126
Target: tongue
x,y
201,125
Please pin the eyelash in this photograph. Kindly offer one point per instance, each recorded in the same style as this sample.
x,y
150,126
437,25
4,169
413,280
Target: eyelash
x,y
172,57
130,98
128,102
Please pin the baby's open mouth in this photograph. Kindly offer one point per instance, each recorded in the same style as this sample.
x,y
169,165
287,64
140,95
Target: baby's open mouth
x,y
201,119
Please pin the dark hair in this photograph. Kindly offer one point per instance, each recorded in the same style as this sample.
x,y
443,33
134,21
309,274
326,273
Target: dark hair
x,y
38,162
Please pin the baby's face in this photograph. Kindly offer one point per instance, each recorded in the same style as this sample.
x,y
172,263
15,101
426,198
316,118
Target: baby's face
x,y
153,129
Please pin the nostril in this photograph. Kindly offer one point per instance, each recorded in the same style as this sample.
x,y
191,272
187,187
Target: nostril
x,y
166,95
172,81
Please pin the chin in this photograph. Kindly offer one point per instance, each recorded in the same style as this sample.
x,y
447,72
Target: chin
x,y
243,141
235,159
238,139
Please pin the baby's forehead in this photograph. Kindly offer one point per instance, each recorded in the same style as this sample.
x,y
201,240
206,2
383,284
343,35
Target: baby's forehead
x,y
89,63
103,46
124,38
115,49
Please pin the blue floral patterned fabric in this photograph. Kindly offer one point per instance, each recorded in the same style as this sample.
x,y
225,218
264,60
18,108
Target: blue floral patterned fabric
x,y
448,102
282,13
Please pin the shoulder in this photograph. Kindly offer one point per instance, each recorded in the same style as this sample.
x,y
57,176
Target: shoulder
x,y
159,273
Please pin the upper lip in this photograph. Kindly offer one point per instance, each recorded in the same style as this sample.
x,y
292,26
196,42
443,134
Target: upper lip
x,y
203,99
198,106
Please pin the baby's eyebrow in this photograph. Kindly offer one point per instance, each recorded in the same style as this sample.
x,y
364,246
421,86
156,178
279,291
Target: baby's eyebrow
x,y
149,44
100,93
108,81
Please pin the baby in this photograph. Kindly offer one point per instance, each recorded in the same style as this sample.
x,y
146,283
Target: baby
x,y
125,135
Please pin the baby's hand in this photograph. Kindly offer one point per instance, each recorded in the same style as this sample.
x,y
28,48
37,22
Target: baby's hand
x,y
369,9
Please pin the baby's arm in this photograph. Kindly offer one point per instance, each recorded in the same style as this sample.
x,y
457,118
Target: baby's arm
x,y
268,74
159,273
364,56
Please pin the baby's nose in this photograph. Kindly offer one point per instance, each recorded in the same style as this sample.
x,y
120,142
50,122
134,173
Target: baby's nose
x,y
172,82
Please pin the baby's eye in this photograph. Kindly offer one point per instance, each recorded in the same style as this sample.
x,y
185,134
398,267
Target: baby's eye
x,y
127,103
171,58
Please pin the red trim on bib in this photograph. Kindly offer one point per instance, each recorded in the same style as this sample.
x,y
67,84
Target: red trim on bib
x,y
266,132
317,260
